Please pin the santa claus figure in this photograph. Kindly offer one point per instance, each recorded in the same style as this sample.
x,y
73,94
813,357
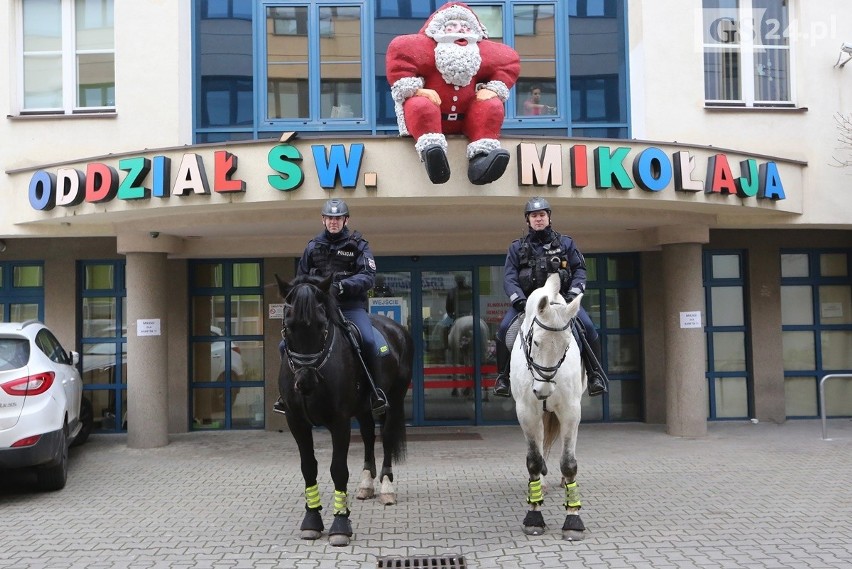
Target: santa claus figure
x,y
450,79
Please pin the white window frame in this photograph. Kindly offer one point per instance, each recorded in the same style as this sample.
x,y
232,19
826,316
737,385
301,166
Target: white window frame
x,y
745,28
69,55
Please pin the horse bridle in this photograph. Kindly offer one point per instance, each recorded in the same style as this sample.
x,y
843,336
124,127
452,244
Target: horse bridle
x,y
297,360
545,373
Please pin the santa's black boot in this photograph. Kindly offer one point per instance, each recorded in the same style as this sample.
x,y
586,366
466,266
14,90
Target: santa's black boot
x,y
437,166
485,168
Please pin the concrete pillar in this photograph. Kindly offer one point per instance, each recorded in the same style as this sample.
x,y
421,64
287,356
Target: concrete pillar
x,y
147,355
764,300
683,291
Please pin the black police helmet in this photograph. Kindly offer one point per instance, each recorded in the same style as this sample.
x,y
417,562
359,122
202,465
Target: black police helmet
x,y
335,208
537,204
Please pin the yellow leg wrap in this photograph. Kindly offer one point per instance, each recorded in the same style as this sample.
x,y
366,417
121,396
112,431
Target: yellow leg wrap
x,y
340,507
312,497
572,496
536,496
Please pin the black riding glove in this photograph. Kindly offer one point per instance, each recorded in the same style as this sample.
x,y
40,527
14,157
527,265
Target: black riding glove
x,y
564,277
520,304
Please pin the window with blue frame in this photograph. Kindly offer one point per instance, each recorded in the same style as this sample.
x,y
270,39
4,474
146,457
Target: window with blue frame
x,y
21,291
816,324
729,378
103,341
267,66
226,344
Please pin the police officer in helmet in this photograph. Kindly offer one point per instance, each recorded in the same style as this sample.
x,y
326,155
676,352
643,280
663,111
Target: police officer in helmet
x,y
529,261
346,256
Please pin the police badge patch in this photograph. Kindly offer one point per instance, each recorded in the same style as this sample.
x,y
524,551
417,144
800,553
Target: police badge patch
x,y
371,263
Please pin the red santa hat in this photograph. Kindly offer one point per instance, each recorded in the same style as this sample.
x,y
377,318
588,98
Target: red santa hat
x,y
453,11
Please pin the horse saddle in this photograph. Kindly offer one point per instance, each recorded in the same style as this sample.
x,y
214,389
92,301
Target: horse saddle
x,y
382,348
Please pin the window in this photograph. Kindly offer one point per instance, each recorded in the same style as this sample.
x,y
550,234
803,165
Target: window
x,y
226,344
747,53
103,341
21,291
816,324
319,65
314,78
728,351
67,60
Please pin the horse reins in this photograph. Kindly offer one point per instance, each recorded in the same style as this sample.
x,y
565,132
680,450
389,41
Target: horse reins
x,y
546,373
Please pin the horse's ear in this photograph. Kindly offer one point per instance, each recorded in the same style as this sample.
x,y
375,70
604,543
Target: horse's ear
x,y
574,305
543,303
283,287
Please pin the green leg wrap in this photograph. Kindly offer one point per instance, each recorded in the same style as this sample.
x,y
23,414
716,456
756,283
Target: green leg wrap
x,y
535,496
340,506
572,496
312,497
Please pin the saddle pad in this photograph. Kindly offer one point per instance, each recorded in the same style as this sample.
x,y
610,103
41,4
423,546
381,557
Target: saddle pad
x,y
382,348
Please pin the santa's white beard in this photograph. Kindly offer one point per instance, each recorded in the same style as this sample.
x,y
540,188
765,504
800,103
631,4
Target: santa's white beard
x,y
457,63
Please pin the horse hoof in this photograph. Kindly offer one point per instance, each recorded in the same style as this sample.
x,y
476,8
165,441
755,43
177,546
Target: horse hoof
x,y
573,535
387,499
311,534
365,494
340,531
534,530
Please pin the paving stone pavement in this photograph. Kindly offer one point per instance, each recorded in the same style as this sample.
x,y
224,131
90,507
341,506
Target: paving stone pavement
x,y
744,496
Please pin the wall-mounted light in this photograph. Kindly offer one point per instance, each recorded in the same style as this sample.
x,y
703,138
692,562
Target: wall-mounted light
x,y
845,50
2,245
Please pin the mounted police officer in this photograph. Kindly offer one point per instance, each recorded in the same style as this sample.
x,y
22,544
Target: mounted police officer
x,y
529,262
346,256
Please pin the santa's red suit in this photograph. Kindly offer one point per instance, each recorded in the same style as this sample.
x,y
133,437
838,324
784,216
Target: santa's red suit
x,y
411,65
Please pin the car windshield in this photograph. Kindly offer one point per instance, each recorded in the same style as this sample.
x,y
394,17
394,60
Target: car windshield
x,y
14,353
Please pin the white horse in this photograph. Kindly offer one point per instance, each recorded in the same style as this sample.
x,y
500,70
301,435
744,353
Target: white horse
x,y
547,384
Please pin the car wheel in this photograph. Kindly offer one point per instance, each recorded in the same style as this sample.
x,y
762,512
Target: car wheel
x,y
52,478
87,420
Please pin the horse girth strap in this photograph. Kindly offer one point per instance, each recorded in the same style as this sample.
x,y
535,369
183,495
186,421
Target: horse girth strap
x,y
545,373
298,361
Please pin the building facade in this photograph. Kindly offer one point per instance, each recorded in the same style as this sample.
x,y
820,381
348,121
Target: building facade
x,y
162,161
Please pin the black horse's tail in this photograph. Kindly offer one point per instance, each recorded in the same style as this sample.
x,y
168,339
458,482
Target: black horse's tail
x,y
393,428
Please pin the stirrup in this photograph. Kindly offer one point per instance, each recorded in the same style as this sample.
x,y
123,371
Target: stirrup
x,y
278,407
502,388
597,387
379,402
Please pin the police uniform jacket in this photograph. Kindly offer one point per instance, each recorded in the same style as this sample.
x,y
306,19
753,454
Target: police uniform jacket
x,y
533,258
347,257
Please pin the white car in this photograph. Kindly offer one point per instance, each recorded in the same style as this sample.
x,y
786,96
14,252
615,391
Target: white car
x,y
42,408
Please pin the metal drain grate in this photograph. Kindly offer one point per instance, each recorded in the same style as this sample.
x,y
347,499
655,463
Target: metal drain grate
x,y
422,562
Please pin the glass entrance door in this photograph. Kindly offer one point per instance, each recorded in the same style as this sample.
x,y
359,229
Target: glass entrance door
x,y
452,307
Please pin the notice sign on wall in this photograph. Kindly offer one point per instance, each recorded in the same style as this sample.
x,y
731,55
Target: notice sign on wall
x,y
148,327
276,311
690,319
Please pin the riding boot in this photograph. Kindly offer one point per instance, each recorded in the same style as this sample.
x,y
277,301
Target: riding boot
x,y
597,377
502,386
278,407
378,399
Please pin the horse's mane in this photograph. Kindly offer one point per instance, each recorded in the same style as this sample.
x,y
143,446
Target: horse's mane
x,y
302,299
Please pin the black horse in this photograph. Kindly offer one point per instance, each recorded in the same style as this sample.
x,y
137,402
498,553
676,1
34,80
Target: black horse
x,y
323,383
